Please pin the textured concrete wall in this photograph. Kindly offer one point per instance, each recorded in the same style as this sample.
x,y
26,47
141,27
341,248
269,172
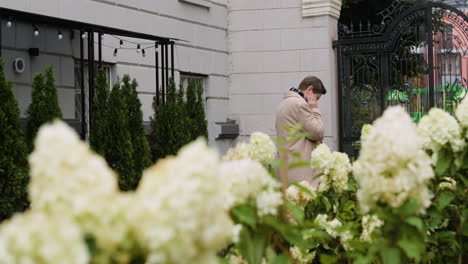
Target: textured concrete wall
x,y
272,47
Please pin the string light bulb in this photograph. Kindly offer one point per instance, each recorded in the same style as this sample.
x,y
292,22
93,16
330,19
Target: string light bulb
x,y
138,48
83,36
115,52
60,36
9,23
36,31
143,52
121,43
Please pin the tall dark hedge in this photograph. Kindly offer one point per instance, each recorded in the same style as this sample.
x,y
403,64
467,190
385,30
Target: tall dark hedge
x,y
119,150
201,125
141,150
191,105
13,162
44,105
99,123
170,124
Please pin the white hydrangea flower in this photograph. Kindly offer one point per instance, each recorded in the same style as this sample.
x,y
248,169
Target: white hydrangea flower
x,y
345,239
301,256
37,238
262,148
462,114
335,167
236,233
183,218
299,197
365,130
438,129
322,159
247,180
66,176
268,202
332,227
392,167
369,224
448,183
239,152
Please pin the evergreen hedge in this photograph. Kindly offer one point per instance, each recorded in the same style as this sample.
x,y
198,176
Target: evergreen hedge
x,y
141,150
13,161
44,105
119,150
99,123
170,124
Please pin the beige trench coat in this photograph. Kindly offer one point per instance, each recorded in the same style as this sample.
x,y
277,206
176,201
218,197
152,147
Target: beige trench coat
x,y
292,110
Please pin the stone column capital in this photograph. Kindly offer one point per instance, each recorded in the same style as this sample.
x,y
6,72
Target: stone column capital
x,y
312,8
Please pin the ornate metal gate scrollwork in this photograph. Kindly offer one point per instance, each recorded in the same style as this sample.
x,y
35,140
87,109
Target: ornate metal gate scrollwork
x,y
417,57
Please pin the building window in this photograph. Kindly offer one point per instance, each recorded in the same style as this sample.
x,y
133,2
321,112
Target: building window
x,y
186,78
78,105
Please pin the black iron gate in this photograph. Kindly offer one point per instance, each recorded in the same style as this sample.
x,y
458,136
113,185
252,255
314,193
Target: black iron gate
x,y
416,57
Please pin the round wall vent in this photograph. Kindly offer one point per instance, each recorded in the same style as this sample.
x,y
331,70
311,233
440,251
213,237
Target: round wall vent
x,y
19,65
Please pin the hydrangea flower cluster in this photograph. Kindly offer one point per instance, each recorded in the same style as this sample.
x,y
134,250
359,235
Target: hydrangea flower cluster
x,y
462,115
174,199
301,256
438,129
332,227
392,167
365,130
183,217
334,166
448,183
247,181
296,195
34,237
65,174
369,224
261,148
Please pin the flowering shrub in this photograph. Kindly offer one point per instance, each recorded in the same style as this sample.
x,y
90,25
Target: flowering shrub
x,y
395,204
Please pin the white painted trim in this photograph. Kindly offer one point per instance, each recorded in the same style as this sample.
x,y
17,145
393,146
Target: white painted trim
x,y
311,8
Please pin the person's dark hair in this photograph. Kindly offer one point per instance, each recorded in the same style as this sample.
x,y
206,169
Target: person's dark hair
x,y
314,82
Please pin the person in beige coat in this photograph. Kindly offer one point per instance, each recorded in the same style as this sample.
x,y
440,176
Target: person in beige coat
x,y
299,106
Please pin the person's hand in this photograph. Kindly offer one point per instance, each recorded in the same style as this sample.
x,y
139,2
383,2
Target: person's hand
x,y
311,98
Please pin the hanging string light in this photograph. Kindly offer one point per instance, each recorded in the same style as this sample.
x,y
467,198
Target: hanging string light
x,y
121,43
9,23
138,48
36,31
83,36
143,52
60,36
115,52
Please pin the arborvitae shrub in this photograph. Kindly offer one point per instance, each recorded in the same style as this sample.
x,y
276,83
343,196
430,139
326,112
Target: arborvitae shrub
x,y
141,150
201,125
119,152
13,162
44,105
170,124
99,123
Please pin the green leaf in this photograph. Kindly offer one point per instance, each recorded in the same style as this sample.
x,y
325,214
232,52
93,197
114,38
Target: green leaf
x,y
296,154
303,189
416,222
276,163
290,233
299,164
409,208
223,261
327,259
281,259
412,248
444,199
443,162
327,203
390,255
245,214
252,245
296,210
316,234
